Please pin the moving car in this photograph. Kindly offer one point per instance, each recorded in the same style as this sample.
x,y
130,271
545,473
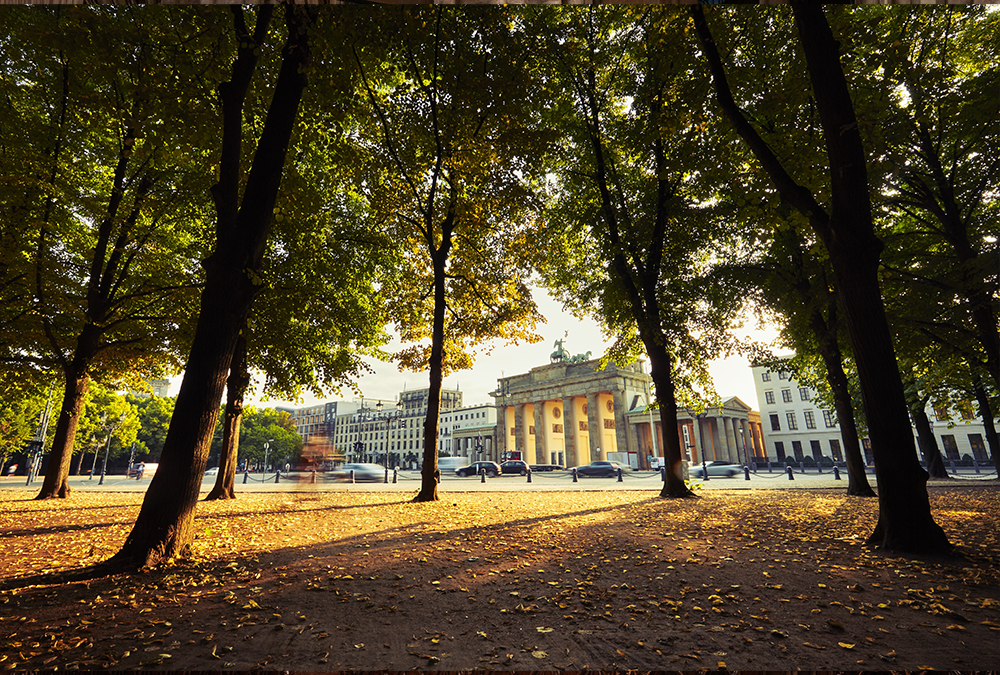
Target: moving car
x,y
515,466
214,471
491,469
724,469
601,468
363,473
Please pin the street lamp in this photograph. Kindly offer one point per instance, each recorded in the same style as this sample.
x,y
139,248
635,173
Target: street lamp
x,y
503,390
267,448
104,467
97,447
388,418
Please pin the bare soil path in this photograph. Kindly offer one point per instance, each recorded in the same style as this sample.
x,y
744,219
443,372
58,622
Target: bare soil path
x,y
748,580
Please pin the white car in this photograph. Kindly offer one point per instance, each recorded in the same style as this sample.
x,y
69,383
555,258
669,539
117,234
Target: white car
x,y
363,473
723,469
214,471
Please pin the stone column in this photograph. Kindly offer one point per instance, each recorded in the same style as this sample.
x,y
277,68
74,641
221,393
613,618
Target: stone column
x,y
594,429
570,430
623,439
540,433
519,441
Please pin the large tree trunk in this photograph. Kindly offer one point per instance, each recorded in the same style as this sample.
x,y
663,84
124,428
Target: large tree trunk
x,y
857,475
429,473
660,371
986,414
56,483
927,441
829,349
236,387
164,528
905,522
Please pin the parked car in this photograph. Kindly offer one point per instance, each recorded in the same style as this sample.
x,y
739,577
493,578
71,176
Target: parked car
x,y
214,471
546,467
724,469
491,469
601,468
515,466
363,473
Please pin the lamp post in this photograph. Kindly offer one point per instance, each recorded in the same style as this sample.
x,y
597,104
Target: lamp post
x,y
388,418
267,449
503,390
97,448
704,464
107,448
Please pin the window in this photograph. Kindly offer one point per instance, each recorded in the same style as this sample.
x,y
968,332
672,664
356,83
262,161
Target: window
x,y
792,423
835,450
810,419
978,449
965,410
775,423
797,449
941,413
769,397
786,395
779,450
817,450
804,394
782,375
950,447
828,419
765,376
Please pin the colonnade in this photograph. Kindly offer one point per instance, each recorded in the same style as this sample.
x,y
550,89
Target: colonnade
x,y
568,431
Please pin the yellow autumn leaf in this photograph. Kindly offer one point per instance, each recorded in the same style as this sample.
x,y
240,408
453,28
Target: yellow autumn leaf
x,y
846,645
539,654
544,629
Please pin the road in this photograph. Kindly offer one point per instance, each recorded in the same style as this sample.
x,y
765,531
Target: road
x,y
409,481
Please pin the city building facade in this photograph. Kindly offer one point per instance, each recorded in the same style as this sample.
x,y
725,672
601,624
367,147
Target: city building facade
x,y
796,428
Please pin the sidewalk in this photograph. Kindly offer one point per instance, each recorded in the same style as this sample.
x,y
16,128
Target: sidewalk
x,y
409,481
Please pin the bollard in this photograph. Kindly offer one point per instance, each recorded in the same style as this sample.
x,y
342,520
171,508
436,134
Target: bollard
x,y
313,478
769,466
385,480
753,466
836,472
663,474
819,467
975,463
791,474
395,471
574,475
619,474
529,475
802,467
277,476
482,475
352,475
746,472
246,474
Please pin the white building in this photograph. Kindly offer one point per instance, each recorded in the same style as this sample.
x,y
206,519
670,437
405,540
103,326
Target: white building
x,y
795,427
469,432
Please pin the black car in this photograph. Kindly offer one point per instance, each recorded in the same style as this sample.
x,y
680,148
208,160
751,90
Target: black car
x,y
546,467
600,468
491,469
515,466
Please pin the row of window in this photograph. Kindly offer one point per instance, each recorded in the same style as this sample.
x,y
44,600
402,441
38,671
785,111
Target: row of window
x,y
786,395
791,419
766,376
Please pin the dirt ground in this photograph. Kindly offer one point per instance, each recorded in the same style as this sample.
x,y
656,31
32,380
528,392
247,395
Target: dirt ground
x,y
741,580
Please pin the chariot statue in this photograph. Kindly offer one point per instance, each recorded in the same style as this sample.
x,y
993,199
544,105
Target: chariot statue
x,y
559,355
